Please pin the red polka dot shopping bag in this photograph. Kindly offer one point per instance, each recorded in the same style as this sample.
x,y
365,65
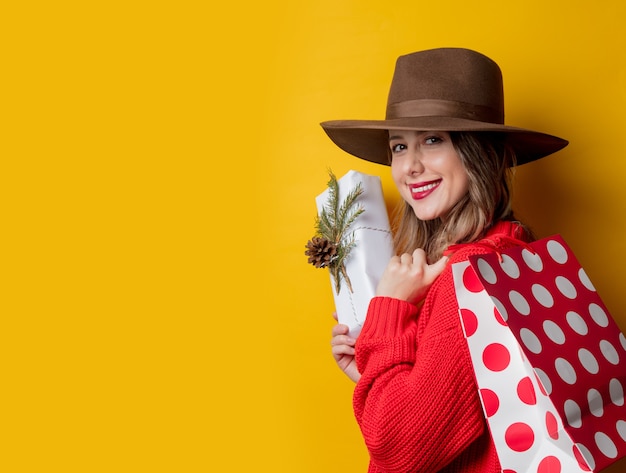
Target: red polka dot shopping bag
x,y
549,360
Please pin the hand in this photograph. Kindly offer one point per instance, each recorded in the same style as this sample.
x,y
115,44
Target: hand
x,y
343,350
408,277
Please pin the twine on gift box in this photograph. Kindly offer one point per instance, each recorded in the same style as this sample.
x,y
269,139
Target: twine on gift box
x,y
355,315
359,323
373,228
333,241
353,244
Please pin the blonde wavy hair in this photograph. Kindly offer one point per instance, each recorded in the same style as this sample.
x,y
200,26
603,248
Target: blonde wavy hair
x,y
489,162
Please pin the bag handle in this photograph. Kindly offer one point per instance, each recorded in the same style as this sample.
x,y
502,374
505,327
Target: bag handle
x,y
493,243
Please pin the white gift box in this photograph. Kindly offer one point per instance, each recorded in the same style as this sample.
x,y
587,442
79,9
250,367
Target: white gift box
x,y
372,250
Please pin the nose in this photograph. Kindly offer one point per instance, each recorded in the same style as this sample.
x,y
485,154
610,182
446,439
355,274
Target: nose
x,y
413,163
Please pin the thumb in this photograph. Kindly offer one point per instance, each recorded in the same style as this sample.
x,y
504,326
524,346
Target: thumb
x,y
438,266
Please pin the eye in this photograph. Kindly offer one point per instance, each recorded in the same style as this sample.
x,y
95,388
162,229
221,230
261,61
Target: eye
x,y
398,147
433,140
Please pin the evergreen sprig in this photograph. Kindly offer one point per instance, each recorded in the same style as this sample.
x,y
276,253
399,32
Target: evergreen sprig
x,y
333,225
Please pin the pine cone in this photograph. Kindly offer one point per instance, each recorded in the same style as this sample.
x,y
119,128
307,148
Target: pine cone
x,y
321,252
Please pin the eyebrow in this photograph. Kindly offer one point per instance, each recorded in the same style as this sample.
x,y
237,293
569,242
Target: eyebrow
x,y
400,137
418,132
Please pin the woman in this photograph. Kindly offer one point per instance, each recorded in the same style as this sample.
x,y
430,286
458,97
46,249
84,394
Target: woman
x,y
451,156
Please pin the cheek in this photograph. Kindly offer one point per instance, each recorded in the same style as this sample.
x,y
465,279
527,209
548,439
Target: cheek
x,y
464,185
461,179
398,180
395,173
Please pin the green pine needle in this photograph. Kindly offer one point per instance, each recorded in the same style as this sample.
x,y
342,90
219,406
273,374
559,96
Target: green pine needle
x,y
334,224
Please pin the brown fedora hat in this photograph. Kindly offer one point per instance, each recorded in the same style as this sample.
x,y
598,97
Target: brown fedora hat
x,y
445,89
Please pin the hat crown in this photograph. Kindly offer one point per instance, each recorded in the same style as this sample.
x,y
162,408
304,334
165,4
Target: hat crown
x,y
452,82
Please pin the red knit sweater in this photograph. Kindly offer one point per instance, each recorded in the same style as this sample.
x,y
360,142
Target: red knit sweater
x,y
417,402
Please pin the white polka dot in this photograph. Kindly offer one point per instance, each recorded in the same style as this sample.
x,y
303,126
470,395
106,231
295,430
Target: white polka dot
x,y
582,275
605,444
530,340
545,380
622,341
486,271
616,391
621,429
577,323
557,251
596,406
598,315
501,308
566,287
510,267
554,332
584,451
572,414
532,260
519,302
588,361
542,295
565,370
609,352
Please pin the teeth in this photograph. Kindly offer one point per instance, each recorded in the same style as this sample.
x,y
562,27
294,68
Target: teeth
x,y
425,188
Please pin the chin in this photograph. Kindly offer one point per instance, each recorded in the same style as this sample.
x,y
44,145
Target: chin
x,y
427,217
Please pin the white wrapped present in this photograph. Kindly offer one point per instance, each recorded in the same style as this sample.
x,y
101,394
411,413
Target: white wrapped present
x,y
371,248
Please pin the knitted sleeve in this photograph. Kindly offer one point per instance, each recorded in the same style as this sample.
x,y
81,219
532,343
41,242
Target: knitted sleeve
x,y
416,402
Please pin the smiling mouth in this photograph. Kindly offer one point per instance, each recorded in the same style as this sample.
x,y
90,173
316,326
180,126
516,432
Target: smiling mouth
x,y
420,191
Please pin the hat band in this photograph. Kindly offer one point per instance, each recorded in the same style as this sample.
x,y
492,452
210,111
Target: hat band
x,y
444,108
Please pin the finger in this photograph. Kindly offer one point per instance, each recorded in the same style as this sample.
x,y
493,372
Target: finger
x,y
340,329
342,350
439,265
419,256
335,315
406,258
342,340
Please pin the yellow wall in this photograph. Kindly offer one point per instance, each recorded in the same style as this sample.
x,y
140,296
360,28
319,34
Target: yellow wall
x,y
159,166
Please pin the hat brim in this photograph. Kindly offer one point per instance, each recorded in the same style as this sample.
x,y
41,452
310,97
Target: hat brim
x,y
369,139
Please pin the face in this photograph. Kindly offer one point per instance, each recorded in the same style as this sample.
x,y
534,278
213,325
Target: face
x,y
427,171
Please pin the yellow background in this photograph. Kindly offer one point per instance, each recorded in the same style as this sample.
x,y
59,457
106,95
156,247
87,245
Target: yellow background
x,y
159,166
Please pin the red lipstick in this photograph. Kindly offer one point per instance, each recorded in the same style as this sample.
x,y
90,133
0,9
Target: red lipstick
x,y
422,190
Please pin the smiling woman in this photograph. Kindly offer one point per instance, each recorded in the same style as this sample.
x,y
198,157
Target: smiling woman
x,y
428,172
450,155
